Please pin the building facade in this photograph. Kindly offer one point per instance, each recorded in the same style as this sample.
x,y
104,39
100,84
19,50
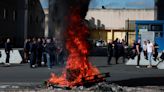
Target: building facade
x,y
114,23
20,19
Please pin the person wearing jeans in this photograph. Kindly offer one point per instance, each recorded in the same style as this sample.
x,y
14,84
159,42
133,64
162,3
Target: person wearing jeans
x,y
50,48
49,64
149,52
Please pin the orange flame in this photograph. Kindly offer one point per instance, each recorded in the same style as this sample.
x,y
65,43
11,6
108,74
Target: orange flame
x,y
78,66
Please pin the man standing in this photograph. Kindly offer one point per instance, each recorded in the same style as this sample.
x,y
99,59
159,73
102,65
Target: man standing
x,y
150,52
33,53
109,51
8,48
39,51
155,54
26,50
138,50
50,49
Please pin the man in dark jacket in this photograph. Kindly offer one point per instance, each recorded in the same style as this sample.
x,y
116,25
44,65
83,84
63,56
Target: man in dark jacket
x,y
50,49
26,50
33,54
39,51
109,51
115,50
8,48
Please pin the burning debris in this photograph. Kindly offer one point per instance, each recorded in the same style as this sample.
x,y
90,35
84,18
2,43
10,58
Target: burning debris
x,y
78,69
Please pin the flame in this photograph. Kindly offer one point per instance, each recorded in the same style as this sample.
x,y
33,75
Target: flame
x,y
77,66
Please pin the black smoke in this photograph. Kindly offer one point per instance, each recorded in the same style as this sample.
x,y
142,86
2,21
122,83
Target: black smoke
x,y
60,11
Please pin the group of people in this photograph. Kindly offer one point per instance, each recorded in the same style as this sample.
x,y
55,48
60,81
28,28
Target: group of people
x,y
119,48
116,49
43,51
149,49
39,52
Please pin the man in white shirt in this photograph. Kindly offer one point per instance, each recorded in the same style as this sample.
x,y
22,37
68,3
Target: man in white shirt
x,y
150,52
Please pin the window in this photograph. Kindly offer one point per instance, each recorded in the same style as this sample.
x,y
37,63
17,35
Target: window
x,y
156,27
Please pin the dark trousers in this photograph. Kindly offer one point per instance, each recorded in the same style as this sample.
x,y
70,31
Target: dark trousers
x,y
39,58
7,57
145,54
33,59
53,59
26,56
138,59
109,59
155,56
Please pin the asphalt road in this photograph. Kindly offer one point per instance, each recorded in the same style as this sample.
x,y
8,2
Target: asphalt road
x,y
120,73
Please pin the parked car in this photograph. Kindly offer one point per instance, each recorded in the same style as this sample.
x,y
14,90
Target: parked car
x,y
100,43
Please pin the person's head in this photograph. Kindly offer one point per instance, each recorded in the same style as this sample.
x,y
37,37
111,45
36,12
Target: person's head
x,y
116,39
8,40
48,40
39,40
148,41
54,39
145,42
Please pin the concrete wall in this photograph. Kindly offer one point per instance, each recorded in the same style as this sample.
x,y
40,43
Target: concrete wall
x,y
116,18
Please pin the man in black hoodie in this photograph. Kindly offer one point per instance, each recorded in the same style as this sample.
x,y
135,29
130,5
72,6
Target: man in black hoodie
x,y
8,48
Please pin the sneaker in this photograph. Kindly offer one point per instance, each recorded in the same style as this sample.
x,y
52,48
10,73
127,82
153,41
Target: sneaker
x,y
7,64
149,66
137,66
33,66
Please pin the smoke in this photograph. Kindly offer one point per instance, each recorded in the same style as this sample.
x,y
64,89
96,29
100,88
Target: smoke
x,y
60,11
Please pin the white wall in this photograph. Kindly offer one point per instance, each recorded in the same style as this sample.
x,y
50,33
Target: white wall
x,y
115,18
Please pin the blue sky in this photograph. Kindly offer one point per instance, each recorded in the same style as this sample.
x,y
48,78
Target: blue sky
x,y
115,3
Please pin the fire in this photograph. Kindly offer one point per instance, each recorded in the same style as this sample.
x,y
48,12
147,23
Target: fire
x,y
77,66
